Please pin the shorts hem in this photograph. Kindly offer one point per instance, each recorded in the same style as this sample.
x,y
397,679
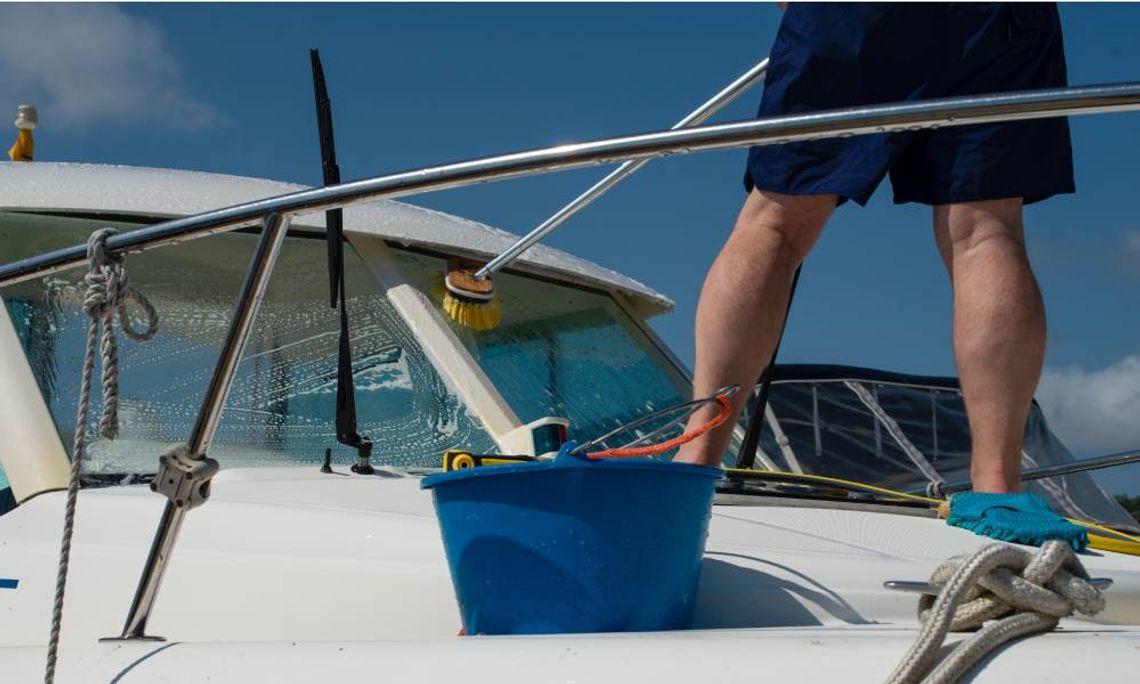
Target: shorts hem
x,y
1029,196
768,185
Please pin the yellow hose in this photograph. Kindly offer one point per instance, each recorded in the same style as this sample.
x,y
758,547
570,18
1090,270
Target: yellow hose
x,y
1109,539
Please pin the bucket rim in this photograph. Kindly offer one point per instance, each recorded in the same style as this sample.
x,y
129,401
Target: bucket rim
x,y
565,462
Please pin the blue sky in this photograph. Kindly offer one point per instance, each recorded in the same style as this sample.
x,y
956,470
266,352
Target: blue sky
x,y
226,88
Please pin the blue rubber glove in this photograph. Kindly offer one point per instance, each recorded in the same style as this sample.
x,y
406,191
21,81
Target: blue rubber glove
x,y
1023,518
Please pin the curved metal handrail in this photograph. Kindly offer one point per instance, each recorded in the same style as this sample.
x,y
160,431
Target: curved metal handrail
x,y
957,111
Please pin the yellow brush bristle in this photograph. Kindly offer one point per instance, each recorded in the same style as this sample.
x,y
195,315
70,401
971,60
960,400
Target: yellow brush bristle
x,y
473,315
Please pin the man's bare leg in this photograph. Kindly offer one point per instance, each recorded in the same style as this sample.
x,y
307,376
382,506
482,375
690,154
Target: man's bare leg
x,y
743,300
999,331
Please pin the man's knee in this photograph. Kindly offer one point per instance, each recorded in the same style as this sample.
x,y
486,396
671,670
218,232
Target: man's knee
x,y
972,226
791,223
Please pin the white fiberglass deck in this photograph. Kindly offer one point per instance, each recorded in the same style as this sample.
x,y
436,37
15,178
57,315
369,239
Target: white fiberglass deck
x,y
822,655
294,554
298,575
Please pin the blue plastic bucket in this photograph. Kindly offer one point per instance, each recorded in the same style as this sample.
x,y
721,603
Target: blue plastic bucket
x,y
573,545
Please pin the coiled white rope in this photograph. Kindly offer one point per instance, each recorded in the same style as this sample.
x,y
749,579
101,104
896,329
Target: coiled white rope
x,y
107,295
983,586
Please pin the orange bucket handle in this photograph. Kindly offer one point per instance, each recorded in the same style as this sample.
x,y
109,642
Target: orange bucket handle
x,y
662,447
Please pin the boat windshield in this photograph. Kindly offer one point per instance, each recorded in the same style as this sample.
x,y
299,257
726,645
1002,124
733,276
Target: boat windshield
x,y
560,351
281,409
564,351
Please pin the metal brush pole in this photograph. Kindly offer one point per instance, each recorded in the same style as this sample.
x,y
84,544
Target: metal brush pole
x,y
696,118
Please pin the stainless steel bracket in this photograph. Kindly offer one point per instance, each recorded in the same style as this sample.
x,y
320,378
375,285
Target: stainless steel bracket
x,y
183,477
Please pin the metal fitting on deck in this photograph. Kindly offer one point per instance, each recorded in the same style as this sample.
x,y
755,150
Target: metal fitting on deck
x,y
184,478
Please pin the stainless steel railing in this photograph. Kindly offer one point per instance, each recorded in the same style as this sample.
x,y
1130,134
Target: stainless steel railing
x,y
273,231
1058,470
769,131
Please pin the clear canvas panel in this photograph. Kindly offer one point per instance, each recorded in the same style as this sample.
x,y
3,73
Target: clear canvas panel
x,y
833,431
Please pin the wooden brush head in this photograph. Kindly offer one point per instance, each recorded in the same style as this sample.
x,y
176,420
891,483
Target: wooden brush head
x,y
461,281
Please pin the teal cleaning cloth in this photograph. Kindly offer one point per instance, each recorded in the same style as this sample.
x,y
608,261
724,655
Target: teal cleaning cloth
x,y
1022,518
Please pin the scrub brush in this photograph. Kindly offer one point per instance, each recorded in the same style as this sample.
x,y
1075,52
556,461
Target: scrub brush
x,y
470,301
470,297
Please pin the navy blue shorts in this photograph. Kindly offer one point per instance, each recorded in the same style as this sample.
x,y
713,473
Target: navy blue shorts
x,y
829,56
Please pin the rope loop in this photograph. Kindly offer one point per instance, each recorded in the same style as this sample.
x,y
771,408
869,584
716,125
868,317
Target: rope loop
x,y
1029,591
108,292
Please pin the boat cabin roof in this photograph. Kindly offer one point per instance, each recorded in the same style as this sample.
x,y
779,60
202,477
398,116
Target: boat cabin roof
x,y
169,193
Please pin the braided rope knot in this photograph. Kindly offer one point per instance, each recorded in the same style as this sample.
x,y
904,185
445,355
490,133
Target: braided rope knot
x,y
108,292
1051,581
1021,591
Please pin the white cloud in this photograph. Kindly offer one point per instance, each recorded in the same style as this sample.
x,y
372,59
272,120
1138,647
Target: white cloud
x,y
1116,251
1128,255
93,64
1094,412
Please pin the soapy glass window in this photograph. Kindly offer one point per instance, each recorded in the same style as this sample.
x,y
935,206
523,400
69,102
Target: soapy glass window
x,y
562,351
281,409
